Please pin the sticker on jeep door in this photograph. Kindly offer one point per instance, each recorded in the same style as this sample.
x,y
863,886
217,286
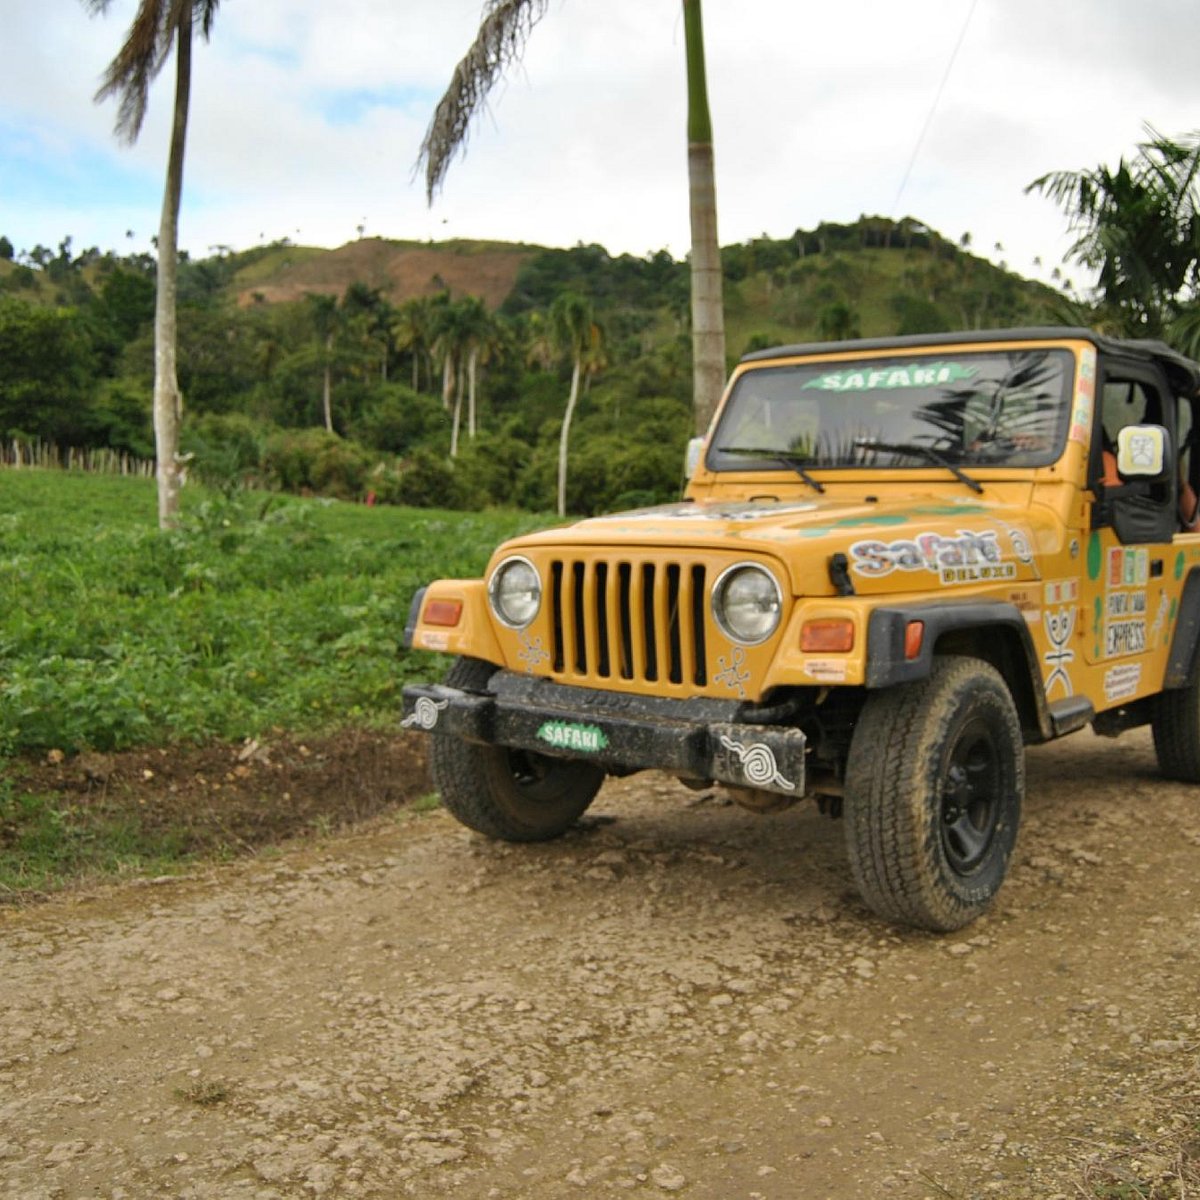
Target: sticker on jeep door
x,y
1125,601
965,558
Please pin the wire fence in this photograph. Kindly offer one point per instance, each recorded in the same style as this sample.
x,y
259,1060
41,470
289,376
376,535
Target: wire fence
x,y
101,460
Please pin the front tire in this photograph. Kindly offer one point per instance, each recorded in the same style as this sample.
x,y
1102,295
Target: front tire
x,y
512,795
934,785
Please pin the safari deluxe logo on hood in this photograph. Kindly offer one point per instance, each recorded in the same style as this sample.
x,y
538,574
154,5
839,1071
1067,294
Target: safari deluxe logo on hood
x,y
965,558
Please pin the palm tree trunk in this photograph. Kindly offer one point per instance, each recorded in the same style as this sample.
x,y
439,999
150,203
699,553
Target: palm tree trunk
x,y
708,314
458,399
566,433
168,404
447,380
327,384
471,367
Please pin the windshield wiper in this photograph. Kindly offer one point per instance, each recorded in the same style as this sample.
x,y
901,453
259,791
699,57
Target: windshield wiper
x,y
795,461
927,452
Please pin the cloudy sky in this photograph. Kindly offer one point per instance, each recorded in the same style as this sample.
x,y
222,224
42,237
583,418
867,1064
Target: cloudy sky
x,y
307,116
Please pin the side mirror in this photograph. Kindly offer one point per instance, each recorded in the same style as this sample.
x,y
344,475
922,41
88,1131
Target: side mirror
x,y
691,460
1142,452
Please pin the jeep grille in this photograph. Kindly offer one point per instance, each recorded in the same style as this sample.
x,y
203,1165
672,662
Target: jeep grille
x,y
633,620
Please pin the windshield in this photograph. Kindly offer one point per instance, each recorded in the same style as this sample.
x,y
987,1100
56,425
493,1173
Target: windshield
x,y
994,408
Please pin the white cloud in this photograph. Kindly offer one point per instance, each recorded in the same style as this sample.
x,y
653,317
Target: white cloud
x,y
307,117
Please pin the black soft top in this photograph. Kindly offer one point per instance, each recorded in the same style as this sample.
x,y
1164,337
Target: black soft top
x,y
1183,373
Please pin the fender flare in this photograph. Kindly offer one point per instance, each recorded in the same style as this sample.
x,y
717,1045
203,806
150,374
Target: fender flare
x,y
887,665
1181,662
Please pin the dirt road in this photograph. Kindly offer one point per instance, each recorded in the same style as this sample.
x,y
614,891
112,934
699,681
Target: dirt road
x,y
679,997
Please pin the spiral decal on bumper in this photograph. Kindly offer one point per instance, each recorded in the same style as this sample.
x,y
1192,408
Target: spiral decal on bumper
x,y
425,713
758,764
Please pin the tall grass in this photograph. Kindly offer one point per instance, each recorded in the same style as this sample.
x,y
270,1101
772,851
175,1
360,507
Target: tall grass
x,y
260,612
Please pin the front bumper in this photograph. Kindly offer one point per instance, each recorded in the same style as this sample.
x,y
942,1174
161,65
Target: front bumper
x,y
697,739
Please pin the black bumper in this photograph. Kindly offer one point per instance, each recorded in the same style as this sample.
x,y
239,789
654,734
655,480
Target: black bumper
x,y
696,739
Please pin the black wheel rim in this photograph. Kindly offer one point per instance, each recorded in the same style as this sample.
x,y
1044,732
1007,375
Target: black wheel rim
x,y
971,798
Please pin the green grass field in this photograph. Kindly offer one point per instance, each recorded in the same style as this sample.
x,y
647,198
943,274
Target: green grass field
x,y
266,612
263,617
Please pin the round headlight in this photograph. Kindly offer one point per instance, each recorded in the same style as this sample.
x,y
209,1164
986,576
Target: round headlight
x,y
515,592
747,604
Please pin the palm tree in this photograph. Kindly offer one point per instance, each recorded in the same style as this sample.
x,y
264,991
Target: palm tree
x,y
454,327
480,338
412,331
369,308
501,38
837,321
574,331
157,25
540,348
595,361
442,341
1138,226
1185,331
326,319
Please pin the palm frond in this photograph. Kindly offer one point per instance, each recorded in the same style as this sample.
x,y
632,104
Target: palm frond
x,y
1184,331
146,48
205,11
501,38
139,60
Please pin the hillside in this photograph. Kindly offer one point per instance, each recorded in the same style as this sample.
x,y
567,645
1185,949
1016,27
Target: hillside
x,y
399,270
834,282
872,277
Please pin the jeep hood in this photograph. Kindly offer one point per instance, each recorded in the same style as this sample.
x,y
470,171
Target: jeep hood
x,y
907,543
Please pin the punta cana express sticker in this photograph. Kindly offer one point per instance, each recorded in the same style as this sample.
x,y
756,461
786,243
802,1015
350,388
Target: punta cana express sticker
x,y
1125,601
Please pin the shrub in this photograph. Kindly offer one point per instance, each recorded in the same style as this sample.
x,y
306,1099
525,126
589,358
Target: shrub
x,y
319,461
915,314
395,419
430,481
489,470
226,449
760,341
120,418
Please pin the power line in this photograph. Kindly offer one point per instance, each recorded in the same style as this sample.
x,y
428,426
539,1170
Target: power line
x,y
933,108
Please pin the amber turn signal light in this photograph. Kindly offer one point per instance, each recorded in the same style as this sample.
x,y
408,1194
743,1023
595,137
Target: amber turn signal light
x,y
914,635
442,612
827,637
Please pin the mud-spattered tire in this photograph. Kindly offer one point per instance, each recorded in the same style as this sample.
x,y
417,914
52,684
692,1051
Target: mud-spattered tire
x,y
512,795
1176,729
934,786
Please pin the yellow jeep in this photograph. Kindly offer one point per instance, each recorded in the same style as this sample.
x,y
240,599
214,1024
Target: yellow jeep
x,y
896,562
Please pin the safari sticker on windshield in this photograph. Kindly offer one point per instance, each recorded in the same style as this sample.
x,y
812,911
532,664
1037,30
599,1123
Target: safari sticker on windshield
x,y
855,379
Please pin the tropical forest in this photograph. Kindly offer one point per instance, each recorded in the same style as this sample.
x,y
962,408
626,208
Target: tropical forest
x,y
438,373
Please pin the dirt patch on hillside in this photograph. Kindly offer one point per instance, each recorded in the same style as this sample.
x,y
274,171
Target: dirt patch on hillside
x,y
400,272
